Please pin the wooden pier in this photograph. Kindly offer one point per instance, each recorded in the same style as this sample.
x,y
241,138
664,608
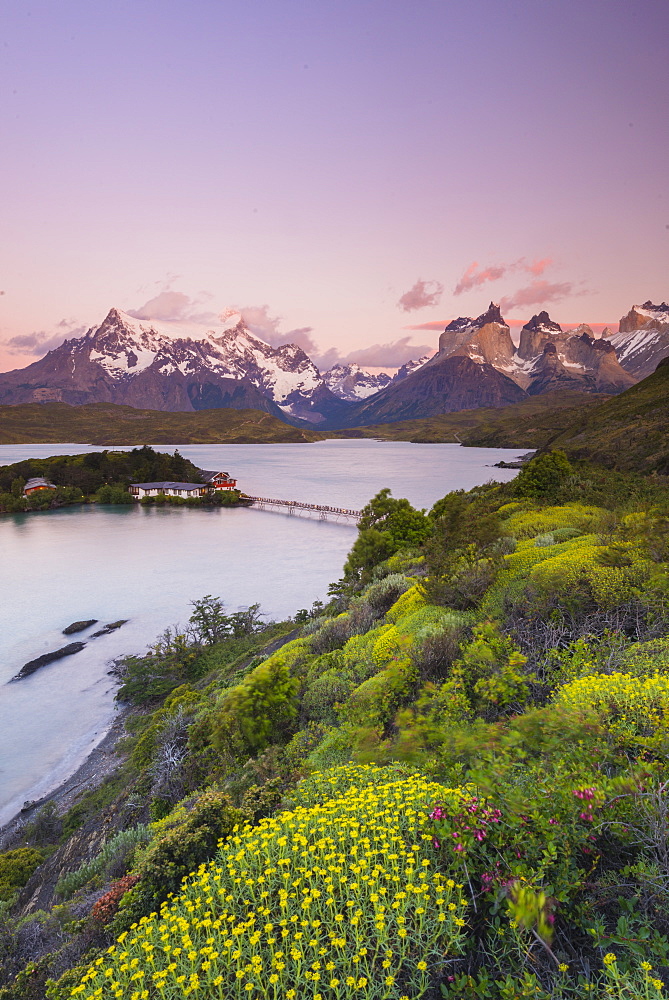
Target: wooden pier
x,y
324,512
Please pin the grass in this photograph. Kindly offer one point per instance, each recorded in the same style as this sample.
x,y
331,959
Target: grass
x,y
108,424
531,423
629,431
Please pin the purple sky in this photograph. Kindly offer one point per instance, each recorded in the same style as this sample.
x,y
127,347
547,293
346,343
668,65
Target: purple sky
x,y
357,167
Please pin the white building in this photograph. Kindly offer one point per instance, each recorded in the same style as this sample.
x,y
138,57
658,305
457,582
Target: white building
x,y
185,490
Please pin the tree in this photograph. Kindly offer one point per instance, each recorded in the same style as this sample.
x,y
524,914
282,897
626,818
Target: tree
x,y
210,624
386,526
461,554
543,476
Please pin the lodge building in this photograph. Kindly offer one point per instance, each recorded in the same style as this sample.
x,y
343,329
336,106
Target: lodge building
x,y
213,481
36,485
218,480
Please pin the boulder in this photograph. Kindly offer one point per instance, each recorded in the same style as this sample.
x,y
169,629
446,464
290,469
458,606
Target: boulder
x,y
41,661
79,626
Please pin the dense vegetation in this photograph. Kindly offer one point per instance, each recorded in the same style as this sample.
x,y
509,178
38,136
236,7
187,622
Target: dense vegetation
x,y
103,476
627,432
530,424
451,781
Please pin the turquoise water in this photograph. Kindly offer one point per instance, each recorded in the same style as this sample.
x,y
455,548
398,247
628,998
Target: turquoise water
x,y
148,564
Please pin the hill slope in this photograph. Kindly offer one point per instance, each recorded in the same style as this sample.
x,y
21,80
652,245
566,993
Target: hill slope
x,y
628,432
441,386
531,423
109,424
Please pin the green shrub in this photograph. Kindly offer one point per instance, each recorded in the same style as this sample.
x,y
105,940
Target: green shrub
x,y
181,841
543,476
491,669
16,867
375,701
115,853
259,711
334,750
114,494
383,594
327,691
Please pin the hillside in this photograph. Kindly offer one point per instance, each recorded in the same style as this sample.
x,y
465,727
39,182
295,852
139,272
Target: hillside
x,y
109,424
532,423
450,782
628,432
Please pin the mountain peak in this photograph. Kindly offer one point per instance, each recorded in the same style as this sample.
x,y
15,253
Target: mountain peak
x,y
491,315
542,322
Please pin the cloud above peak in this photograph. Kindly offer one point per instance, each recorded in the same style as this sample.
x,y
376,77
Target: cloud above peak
x,y
539,293
167,305
259,321
420,295
475,276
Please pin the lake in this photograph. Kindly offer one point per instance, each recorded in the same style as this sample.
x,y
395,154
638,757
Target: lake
x,y
147,564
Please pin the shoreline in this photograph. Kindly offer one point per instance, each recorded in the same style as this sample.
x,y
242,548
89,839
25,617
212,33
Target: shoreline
x,y
99,763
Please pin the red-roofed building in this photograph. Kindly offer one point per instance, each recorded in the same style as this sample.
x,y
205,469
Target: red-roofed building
x,y
218,480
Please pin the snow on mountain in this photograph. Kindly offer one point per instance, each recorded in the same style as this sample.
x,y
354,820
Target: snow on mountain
x,y
162,365
352,383
410,367
547,357
642,340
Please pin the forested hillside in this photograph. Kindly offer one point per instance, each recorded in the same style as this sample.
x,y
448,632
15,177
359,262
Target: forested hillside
x,y
448,782
628,431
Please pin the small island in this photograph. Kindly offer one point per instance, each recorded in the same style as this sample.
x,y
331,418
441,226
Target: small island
x,y
113,477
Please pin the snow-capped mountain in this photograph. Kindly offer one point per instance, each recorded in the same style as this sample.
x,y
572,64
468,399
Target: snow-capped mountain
x,y
144,363
642,340
162,366
547,357
478,365
410,367
350,382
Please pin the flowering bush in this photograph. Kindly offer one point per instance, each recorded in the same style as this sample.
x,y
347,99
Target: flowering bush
x,y
633,709
107,905
525,523
338,900
411,600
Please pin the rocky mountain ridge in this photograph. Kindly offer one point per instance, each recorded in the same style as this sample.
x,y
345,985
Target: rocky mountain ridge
x,y
352,383
151,365
137,363
642,340
478,365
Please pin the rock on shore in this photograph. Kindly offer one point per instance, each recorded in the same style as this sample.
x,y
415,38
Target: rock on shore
x,y
32,665
79,626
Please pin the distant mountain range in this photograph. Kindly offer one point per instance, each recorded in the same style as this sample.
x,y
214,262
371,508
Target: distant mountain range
x,y
142,363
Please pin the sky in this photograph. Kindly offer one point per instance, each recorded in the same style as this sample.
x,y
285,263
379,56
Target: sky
x,y
350,174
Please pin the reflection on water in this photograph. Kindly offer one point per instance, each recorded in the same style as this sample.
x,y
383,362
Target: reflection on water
x,y
147,564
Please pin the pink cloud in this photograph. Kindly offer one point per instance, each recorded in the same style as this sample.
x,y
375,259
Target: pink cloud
x,y
538,293
538,267
40,342
422,294
170,306
435,324
265,326
167,305
473,278
390,355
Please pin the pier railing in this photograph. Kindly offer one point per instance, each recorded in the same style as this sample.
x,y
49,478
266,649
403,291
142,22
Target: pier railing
x,y
323,510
